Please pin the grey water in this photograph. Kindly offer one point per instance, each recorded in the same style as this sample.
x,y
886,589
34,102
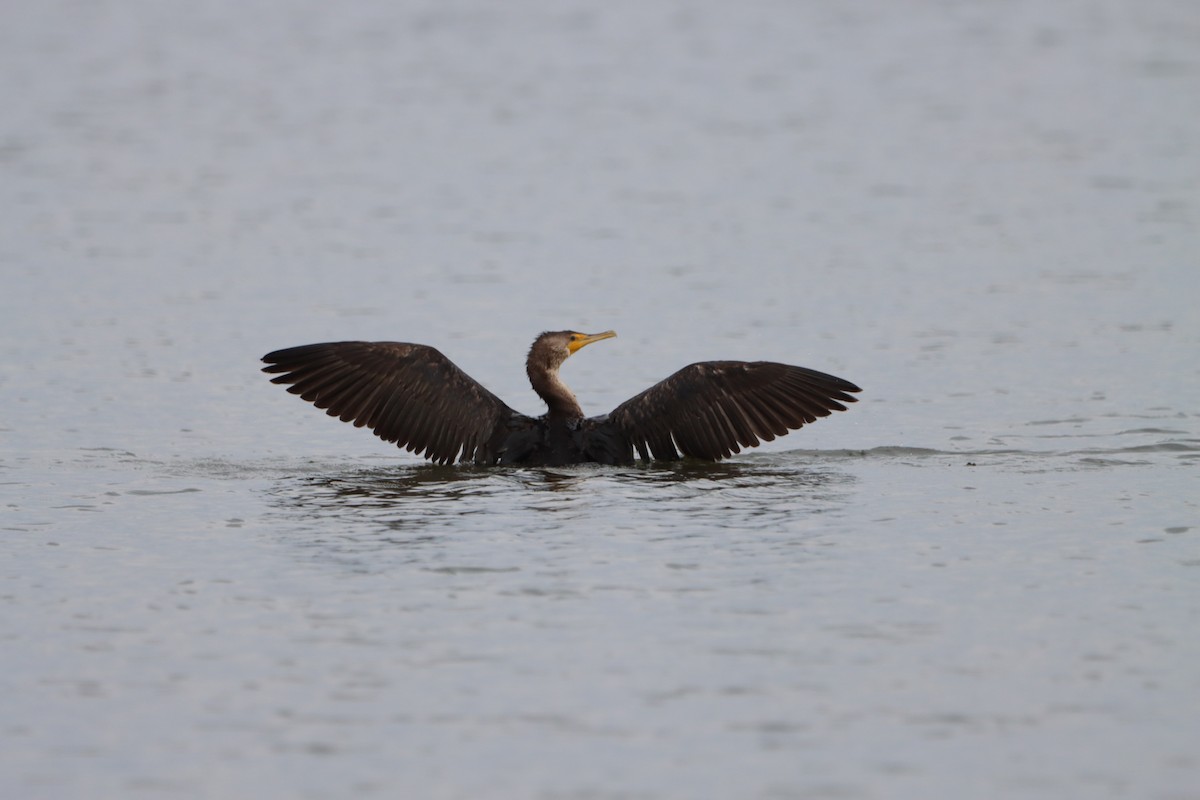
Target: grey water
x,y
982,580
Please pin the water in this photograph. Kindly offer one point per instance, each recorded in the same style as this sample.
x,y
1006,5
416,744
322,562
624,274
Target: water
x,y
983,580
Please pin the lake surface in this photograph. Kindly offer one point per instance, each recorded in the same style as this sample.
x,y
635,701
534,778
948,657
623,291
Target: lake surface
x,y
983,580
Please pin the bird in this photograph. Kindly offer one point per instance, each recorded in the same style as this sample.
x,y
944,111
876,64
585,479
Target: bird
x,y
417,398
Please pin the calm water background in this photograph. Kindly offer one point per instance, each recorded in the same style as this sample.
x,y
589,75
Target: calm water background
x,y
982,581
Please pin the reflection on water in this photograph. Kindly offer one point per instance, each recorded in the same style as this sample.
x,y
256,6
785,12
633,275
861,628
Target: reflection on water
x,y
814,479
424,500
731,493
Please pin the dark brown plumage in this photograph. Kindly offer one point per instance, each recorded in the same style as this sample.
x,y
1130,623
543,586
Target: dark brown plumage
x,y
414,396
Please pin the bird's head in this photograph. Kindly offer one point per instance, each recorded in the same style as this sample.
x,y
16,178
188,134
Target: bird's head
x,y
553,348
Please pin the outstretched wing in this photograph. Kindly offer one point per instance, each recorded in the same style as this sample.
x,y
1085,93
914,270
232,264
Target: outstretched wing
x,y
409,394
712,409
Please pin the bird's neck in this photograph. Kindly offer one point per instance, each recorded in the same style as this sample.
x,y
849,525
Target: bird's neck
x,y
559,398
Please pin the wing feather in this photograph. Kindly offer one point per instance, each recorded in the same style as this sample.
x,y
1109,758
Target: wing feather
x,y
712,409
743,436
716,438
374,403
409,394
758,426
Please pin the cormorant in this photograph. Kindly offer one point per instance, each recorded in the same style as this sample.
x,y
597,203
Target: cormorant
x,y
414,396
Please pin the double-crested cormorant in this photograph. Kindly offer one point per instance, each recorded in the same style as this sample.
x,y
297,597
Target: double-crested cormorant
x,y
414,396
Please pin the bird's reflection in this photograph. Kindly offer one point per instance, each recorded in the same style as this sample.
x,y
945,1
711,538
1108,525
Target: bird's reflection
x,y
424,493
363,492
375,518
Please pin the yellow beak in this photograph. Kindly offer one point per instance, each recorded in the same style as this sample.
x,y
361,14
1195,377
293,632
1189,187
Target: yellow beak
x,y
579,340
